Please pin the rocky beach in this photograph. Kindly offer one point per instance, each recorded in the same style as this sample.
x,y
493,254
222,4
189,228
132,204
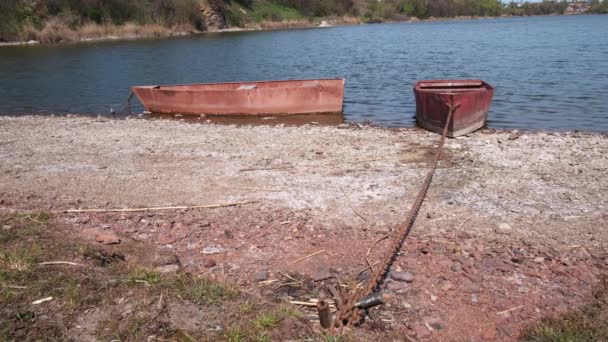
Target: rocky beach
x,y
513,228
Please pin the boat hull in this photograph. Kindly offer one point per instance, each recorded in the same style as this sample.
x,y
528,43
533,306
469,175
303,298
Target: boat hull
x,y
245,98
433,97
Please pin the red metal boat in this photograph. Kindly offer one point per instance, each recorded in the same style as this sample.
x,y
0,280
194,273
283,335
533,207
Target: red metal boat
x,y
471,99
245,98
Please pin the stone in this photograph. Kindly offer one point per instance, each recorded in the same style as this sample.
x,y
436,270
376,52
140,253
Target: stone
x,y
489,334
402,276
399,287
209,250
504,229
457,267
420,331
474,299
208,263
205,224
261,275
166,239
447,286
513,137
321,273
166,269
471,287
162,259
435,323
107,238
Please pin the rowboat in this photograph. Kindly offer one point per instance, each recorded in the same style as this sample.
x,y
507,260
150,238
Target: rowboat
x,y
471,100
245,98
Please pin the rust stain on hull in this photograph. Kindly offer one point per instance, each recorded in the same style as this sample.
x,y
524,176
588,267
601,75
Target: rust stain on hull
x,y
433,97
245,98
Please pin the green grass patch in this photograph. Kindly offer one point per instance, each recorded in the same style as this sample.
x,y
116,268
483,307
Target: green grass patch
x,y
269,11
203,291
145,276
589,323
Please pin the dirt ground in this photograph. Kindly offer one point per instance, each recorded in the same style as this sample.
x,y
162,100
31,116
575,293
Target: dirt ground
x,y
514,227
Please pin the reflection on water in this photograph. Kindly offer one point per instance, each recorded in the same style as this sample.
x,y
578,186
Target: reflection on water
x,y
288,120
549,72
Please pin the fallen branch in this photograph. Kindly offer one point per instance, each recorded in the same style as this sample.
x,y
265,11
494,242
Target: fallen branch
x,y
512,309
59,263
123,210
306,257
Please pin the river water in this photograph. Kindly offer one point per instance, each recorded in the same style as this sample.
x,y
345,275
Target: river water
x,y
549,72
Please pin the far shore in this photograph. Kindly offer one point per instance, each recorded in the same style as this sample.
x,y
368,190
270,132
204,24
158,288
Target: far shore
x,y
135,32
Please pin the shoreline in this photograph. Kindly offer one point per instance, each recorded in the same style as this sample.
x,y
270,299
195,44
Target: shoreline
x,y
266,26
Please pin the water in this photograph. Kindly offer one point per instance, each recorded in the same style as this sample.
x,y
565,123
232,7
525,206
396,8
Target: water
x,y
549,72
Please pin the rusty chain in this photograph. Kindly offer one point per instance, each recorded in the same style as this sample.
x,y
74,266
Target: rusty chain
x,y
349,310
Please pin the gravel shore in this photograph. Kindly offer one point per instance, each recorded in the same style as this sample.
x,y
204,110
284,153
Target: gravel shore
x,y
514,227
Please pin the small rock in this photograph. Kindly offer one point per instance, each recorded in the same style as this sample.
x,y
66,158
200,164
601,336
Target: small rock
x,y
513,137
322,273
503,228
474,299
402,276
539,260
420,331
167,269
212,250
261,275
470,287
6,227
208,263
166,240
435,323
399,287
205,224
433,298
445,287
489,335
457,267
107,238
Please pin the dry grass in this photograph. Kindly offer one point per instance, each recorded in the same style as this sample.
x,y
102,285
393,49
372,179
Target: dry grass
x,y
55,31
285,24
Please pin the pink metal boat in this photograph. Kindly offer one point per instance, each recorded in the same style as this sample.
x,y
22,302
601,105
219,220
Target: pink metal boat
x,y
472,98
245,98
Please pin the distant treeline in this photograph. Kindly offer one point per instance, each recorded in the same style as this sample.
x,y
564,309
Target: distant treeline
x,y
20,19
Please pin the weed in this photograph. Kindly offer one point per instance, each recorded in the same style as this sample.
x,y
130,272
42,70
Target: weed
x,y
263,337
332,338
234,334
267,320
246,308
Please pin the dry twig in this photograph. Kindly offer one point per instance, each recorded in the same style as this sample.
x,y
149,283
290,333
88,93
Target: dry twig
x,y
370,249
512,309
122,210
59,263
306,257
